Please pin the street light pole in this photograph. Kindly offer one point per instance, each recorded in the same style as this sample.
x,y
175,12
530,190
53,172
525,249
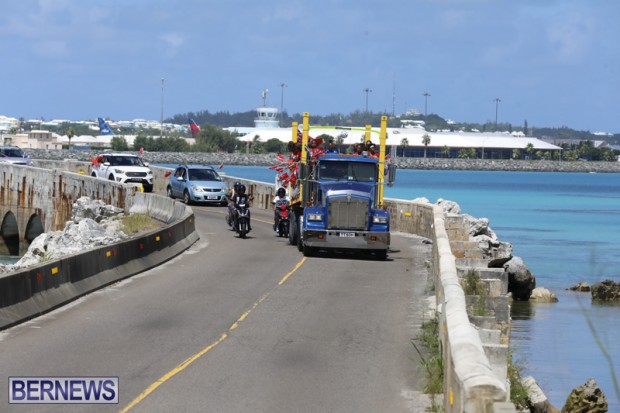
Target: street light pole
x,y
282,85
367,90
497,100
426,95
161,119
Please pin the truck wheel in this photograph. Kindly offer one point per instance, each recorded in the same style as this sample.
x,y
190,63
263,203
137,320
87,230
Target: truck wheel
x,y
186,198
111,177
292,230
300,242
94,175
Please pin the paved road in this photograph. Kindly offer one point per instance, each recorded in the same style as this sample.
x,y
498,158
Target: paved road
x,y
237,325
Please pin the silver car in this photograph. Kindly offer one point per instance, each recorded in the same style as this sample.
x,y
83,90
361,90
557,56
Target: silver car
x,y
197,183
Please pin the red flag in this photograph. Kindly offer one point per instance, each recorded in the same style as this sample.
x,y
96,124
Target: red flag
x,y
167,174
221,166
194,129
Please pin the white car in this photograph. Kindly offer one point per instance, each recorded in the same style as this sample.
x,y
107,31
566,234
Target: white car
x,y
123,168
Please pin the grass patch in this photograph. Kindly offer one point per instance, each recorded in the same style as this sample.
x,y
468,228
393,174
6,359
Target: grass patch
x,y
432,360
473,285
136,223
518,392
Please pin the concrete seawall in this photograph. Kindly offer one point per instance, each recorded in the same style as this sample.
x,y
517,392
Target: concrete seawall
x,y
35,290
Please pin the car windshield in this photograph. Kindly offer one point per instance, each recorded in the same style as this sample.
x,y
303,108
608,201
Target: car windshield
x,y
12,153
125,161
347,171
202,175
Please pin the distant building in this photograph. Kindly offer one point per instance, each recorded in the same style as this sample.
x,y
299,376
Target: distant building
x,y
36,139
6,124
408,142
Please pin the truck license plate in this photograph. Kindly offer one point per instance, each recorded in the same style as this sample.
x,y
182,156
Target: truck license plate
x,y
347,234
212,197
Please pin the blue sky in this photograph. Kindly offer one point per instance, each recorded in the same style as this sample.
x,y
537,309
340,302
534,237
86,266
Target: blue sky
x,y
552,63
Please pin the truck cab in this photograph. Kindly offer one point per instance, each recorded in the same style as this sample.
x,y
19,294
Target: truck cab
x,y
338,204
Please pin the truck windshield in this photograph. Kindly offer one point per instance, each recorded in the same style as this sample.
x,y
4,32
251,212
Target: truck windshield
x,y
347,171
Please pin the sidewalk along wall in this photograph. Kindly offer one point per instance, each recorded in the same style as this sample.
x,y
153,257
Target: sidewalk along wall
x,y
38,289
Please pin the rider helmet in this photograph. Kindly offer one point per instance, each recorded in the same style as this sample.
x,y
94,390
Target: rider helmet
x,y
281,192
241,189
236,185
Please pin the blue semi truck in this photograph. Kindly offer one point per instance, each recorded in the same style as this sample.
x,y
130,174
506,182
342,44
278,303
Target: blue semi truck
x,y
337,202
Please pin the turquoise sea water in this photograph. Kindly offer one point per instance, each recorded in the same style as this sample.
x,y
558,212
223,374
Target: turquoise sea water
x,y
566,227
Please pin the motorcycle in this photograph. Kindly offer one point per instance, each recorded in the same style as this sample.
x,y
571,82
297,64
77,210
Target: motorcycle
x,y
282,212
242,215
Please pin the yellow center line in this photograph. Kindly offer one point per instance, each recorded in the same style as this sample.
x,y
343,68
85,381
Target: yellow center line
x,y
205,350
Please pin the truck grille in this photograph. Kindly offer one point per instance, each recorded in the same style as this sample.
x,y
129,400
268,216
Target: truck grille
x,y
136,174
351,213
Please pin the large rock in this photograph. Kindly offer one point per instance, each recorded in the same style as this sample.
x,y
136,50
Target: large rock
x,y
542,295
521,282
449,207
537,399
606,291
95,209
75,238
581,287
588,398
92,225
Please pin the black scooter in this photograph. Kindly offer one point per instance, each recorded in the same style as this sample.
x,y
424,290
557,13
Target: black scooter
x,y
242,216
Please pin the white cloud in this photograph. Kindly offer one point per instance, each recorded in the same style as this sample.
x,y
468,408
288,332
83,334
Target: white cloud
x,y
570,36
173,39
51,48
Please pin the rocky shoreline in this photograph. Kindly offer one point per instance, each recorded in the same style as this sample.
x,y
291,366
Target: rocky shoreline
x,y
402,163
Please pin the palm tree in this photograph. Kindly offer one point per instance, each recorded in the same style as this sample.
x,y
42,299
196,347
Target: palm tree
x,y
446,151
404,143
529,148
426,139
70,134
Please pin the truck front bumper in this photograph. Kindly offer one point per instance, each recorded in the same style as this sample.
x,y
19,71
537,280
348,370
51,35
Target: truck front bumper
x,y
337,239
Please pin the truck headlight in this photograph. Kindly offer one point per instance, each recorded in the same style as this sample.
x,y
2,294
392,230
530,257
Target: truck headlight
x,y
379,220
315,217
196,188
119,171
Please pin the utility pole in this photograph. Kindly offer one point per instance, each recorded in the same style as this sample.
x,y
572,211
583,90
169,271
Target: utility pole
x,y
367,90
282,85
426,95
161,119
394,99
497,100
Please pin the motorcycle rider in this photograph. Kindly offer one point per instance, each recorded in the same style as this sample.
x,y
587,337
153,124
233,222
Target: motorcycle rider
x,y
241,198
280,199
230,196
